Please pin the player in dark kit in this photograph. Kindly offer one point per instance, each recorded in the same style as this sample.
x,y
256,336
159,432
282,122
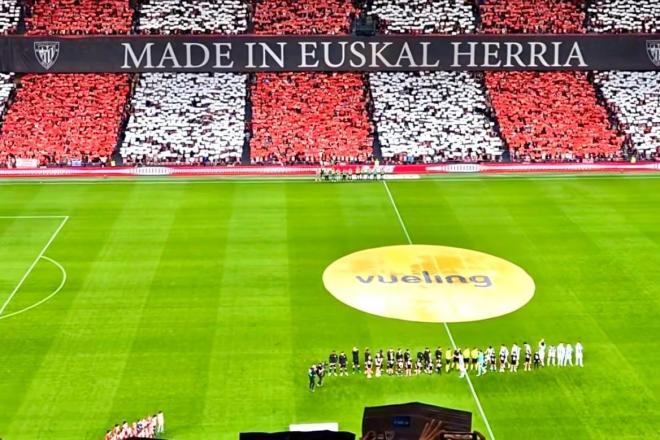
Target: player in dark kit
x,y
399,362
356,360
332,364
320,373
367,355
438,353
311,374
537,360
342,364
390,362
427,356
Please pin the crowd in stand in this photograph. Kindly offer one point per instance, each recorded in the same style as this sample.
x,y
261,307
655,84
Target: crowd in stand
x,y
431,116
280,17
59,119
551,115
632,97
194,16
624,15
10,12
187,118
524,16
75,17
435,116
317,115
425,16
71,118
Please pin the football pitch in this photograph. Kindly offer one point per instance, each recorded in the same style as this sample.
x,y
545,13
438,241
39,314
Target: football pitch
x,y
205,299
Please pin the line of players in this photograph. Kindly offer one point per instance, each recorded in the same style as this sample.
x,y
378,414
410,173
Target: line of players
x,y
148,427
402,363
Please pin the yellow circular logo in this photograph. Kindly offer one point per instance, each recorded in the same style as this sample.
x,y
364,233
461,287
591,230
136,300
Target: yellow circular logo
x,y
429,283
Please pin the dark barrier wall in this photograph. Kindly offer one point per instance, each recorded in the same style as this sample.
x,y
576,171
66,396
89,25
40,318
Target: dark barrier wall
x,y
328,53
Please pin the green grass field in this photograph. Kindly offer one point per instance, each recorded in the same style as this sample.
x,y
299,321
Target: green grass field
x,y
205,299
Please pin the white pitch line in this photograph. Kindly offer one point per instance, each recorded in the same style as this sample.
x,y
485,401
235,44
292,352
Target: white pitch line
x,y
451,337
31,216
46,299
34,263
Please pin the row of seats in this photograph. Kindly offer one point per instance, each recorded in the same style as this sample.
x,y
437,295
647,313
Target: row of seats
x,y
72,117
186,118
10,12
308,116
193,16
551,115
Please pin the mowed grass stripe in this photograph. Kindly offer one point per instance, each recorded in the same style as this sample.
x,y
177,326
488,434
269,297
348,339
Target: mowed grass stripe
x,y
172,345
250,377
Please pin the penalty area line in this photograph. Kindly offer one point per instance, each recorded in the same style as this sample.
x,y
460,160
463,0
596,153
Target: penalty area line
x,y
449,334
32,266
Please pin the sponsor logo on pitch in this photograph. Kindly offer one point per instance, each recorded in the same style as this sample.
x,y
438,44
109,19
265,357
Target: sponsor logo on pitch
x,y
429,283
47,53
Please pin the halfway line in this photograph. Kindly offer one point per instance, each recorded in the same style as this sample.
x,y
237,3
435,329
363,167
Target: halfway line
x,y
451,337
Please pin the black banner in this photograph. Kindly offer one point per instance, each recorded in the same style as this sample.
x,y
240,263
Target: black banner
x,y
328,53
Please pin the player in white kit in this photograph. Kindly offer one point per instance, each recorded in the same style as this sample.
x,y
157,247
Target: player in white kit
x,y
561,353
542,351
568,358
578,354
461,365
504,356
552,355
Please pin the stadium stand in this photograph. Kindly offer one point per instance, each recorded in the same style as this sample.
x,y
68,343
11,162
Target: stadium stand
x,y
624,15
431,116
193,16
73,17
188,118
308,117
425,16
64,119
551,115
10,12
632,97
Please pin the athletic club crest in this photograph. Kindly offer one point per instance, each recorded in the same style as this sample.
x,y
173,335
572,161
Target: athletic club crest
x,y
653,49
47,53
